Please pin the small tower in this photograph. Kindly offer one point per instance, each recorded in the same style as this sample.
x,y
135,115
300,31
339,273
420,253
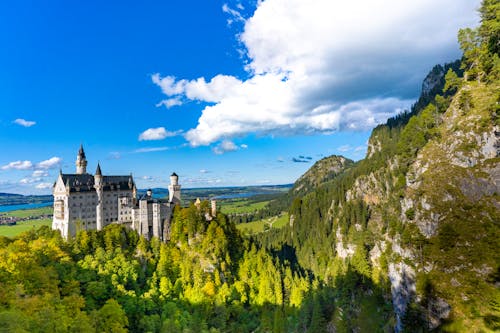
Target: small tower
x,y
98,185
174,189
81,162
213,204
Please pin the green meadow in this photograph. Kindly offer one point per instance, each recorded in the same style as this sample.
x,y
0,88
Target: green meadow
x,y
22,226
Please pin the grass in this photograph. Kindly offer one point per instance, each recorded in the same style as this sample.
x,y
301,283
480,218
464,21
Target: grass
x,y
240,206
23,213
22,226
263,225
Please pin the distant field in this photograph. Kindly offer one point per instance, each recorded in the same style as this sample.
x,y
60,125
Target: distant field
x,y
240,205
262,225
14,230
30,212
22,226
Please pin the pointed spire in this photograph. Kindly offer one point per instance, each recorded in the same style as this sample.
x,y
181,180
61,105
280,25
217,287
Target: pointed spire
x,y
98,170
81,152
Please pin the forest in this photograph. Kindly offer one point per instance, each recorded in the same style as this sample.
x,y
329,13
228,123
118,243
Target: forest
x,y
206,279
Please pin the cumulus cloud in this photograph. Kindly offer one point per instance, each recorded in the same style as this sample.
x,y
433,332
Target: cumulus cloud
x,y
225,146
24,123
18,165
43,186
51,163
324,66
158,133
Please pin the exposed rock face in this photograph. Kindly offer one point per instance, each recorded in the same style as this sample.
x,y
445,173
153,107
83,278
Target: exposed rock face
x,y
374,146
343,251
433,79
438,310
402,278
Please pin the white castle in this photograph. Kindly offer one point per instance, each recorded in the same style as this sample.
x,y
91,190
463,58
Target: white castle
x,y
88,202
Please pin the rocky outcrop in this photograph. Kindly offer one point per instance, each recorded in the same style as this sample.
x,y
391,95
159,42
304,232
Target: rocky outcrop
x,y
402,278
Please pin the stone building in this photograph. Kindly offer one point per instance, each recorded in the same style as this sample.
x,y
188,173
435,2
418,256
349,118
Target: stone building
x,y
90,202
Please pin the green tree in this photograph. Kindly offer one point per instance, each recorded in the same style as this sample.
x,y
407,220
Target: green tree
x,y
452,82
111,318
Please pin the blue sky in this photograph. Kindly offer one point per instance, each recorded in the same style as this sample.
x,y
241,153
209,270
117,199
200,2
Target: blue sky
x,y
222,92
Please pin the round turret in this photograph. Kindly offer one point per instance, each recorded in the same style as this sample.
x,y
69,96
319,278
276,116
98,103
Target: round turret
x,y
174,189
174,179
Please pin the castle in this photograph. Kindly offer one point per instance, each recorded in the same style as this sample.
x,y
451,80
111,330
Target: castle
x,y
90,202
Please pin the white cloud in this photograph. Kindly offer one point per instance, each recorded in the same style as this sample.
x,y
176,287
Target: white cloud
x,y
43,186
27,165
39,173
225,146
204,171
150,150
168,103
51,163
25,123
25,181
324,66
159,133
18,165
244,146
233,13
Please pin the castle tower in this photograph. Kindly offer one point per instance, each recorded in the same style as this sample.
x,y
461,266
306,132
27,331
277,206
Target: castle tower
x,y
213,204
98,185
81,162
174,189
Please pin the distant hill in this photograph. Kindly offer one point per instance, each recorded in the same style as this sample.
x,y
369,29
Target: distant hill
x,y
188,195
19,199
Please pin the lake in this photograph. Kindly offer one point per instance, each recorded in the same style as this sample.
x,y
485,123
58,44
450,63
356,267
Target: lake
x,y
8,208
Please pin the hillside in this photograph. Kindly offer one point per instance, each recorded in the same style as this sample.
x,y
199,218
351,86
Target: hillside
x,y
18,199
418,219
322,171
